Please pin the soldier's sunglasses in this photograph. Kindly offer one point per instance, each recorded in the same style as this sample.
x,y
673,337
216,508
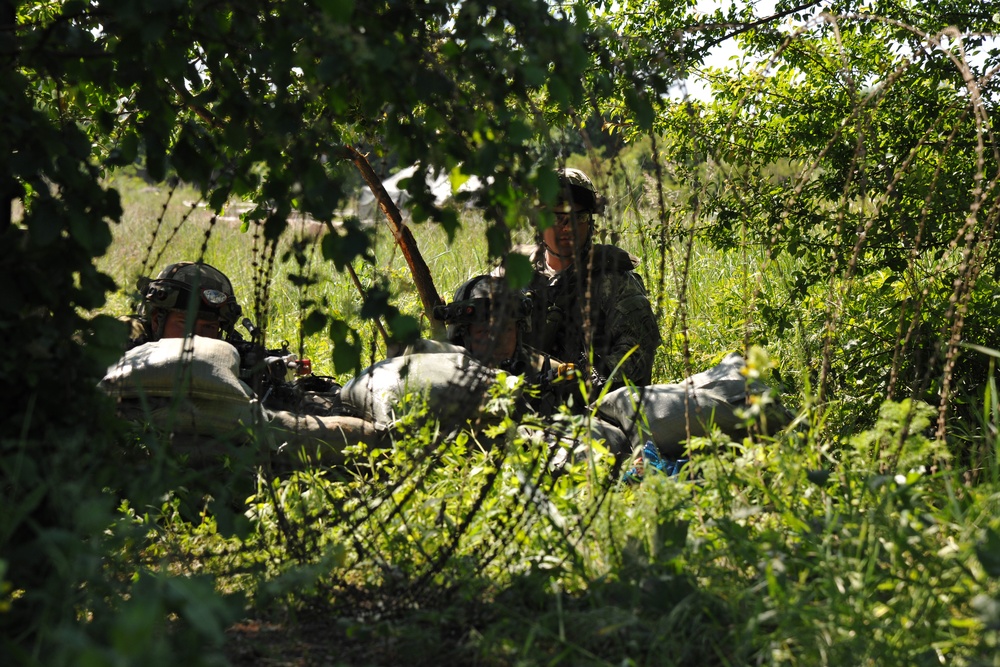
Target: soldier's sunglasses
x,y
563,218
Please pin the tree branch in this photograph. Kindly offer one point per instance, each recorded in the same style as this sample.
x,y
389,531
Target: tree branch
x,y
404,238
759,22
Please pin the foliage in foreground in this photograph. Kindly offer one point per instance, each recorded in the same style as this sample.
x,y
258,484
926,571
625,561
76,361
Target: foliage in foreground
x,y
781,552
245,101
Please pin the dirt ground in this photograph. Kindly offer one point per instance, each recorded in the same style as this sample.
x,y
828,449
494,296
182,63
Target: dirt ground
x,y
318,639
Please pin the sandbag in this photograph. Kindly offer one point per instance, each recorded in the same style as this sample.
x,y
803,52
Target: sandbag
x,y
726,380
199,376
577,429
663,412
452,383
306,440
570,438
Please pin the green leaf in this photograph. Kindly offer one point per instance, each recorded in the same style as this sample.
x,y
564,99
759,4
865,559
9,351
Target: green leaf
x,y
497,240
560,92
448,219
457,179
640,106
518,270
125,152
404,328
45,223
344,244
105,339
818,477
519,132
217,200
346,347
988,552
201,606
314,323
547,183
376,304
274,226
450,49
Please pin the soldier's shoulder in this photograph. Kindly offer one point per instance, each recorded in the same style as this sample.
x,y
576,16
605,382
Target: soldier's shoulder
x,y
613,258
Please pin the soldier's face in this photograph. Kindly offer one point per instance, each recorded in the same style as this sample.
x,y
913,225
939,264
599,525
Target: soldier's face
x,y
175,326
570,230
490,343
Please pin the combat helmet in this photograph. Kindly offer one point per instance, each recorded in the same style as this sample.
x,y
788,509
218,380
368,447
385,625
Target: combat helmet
x,y
577,188
173,288
482,298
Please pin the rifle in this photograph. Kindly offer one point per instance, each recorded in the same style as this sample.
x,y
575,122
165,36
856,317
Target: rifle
x,y
279,378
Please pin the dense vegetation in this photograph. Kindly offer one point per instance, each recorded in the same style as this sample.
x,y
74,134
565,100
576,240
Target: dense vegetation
x,y
830,212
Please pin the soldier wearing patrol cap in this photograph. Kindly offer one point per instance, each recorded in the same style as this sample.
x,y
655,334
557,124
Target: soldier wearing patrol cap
x,y
587,296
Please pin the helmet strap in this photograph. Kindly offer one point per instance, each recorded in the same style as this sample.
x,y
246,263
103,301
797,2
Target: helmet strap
x,y
161,324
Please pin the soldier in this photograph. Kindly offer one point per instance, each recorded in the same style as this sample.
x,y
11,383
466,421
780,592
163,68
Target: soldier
x,y
488,319
199,389
587,297
167,302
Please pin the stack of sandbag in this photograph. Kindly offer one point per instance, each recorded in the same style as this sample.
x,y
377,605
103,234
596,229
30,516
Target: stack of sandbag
x,y
190,389
663,413
185,385
451,384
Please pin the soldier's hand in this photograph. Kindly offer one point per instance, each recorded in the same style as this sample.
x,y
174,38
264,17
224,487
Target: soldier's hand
x,y
567,372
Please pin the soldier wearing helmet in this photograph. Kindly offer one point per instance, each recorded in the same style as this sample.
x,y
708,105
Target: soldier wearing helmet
x,y
590,306
487,318
214,403
490,320
185,298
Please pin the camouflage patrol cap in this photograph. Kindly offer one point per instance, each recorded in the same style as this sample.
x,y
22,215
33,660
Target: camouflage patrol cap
x,y
577,188
173,288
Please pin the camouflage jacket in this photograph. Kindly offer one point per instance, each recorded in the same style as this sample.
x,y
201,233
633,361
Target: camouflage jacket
x,y
605,308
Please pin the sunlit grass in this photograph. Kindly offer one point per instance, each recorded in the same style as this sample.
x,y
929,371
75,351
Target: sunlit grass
x,y
781,552
719,286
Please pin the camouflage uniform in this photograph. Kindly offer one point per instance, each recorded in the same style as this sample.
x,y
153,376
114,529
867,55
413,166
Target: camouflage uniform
x,y
605,308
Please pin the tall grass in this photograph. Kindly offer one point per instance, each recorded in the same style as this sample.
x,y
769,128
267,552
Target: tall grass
x,y
163,225
835,543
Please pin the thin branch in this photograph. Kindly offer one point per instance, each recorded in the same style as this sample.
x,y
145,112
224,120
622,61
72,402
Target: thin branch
x,y
750,26
404,237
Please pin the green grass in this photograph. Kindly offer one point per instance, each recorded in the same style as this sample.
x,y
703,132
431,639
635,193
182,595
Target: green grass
x,y
834,544
719,285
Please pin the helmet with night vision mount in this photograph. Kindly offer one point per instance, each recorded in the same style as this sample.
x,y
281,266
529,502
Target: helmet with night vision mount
x,y
175,286
483,299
